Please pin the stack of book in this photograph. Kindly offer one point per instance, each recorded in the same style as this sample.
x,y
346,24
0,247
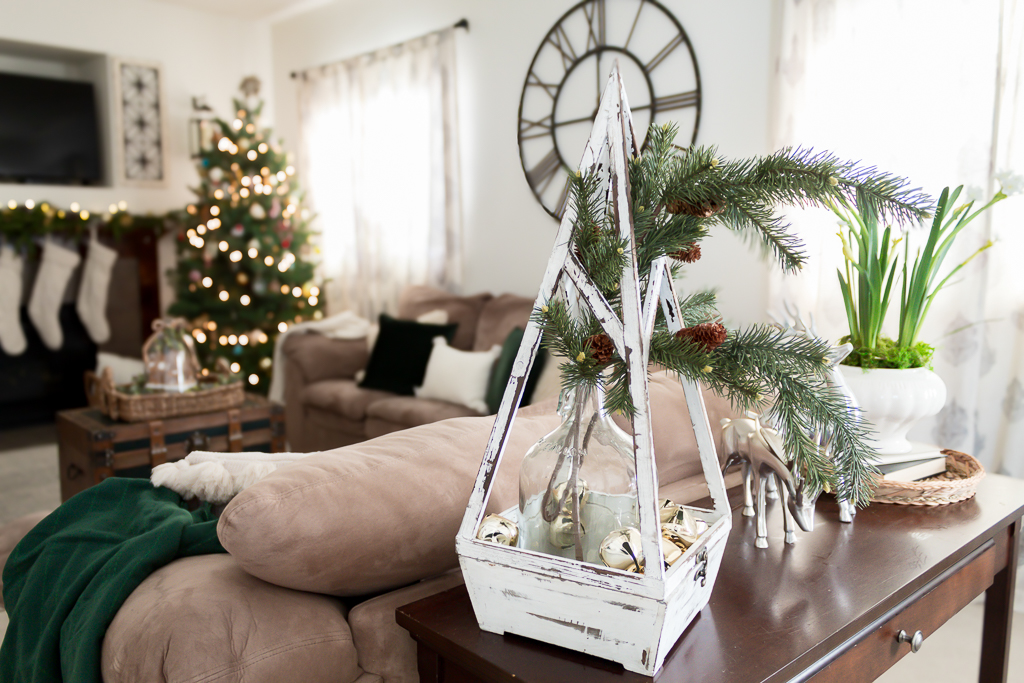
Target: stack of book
x,y
920,462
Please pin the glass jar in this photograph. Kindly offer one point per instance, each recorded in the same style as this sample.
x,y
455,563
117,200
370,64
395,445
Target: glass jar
x,y
170,357
585,464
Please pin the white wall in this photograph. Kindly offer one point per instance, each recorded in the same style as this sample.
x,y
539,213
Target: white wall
x,y
200,54
509,236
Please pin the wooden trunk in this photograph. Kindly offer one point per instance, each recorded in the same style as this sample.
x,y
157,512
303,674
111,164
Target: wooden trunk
x,y
633,619
93,447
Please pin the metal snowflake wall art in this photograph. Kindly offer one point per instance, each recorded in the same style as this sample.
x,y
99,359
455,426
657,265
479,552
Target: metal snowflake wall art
x,y
141,126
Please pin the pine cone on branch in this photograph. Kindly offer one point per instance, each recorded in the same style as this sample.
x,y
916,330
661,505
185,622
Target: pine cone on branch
x,y
707,335
601,348
689,255
705,210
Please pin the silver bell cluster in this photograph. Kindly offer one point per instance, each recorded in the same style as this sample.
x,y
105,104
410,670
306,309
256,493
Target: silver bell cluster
x,y
621,549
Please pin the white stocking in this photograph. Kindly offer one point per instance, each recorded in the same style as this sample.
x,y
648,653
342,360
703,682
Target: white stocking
x,y
12,338
92,294
55,268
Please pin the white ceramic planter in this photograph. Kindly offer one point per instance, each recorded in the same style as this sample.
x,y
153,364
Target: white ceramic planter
x,y
893,401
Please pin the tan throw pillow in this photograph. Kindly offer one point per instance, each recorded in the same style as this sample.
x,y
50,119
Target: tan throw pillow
x,y
375,515
458,376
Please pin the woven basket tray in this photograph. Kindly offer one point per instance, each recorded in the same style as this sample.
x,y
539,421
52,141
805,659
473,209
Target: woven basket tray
x,y
118,405
959,482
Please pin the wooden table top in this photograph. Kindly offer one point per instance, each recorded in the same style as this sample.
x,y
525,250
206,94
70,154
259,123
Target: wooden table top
x,y
773,612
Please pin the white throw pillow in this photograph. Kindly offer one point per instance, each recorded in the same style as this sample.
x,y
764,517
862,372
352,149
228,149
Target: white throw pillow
x,y
458,376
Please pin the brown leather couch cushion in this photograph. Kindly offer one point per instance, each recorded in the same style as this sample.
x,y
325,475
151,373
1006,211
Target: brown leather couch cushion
x,y
375,515
342,396
385,648
319,357
202,619
463,310
500,316
413,412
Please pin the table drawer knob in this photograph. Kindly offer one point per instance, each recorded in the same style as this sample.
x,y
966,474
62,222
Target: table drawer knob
x,y
915,640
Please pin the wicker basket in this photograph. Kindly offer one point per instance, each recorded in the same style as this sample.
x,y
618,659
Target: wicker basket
x,y
117,405
959,482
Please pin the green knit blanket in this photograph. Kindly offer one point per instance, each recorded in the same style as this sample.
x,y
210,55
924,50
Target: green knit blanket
x,y
67,578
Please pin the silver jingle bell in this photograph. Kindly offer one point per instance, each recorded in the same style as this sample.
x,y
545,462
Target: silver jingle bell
x,y
497,529
559,490
621,549
678,535
560,531
686,519
671,551
667,510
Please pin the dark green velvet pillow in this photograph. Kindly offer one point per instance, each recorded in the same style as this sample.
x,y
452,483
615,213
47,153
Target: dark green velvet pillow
x,y
503,370
399,358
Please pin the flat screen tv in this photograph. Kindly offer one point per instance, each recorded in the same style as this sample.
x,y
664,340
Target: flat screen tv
x,y
48,131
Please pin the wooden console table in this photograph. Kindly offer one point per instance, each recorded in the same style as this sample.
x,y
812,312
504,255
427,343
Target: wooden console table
x,y
827,609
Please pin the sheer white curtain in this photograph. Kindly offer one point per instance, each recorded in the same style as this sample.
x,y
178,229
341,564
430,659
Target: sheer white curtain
x,y
380,155
932,92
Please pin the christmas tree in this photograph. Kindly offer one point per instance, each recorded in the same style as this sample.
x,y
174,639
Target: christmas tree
x,y
243,276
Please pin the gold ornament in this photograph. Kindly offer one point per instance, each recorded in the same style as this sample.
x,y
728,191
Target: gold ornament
x,y
242,278
667,510
582,489
684,530
621,549
498,529
671,551
560,531
676,535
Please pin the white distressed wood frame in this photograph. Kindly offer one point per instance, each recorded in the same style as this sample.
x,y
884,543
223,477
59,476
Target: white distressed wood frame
x,y
634,619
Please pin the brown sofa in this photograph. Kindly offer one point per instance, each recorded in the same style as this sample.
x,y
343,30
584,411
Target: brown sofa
x,y
326,408
324,550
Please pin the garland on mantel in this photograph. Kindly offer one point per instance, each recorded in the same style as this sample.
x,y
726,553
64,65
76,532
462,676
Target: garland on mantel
x,y
22,225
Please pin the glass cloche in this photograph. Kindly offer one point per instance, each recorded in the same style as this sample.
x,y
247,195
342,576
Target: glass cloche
x,y
170,357
586,461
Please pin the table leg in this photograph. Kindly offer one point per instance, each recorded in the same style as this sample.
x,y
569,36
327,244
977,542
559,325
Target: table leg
x,y
995,635
429,664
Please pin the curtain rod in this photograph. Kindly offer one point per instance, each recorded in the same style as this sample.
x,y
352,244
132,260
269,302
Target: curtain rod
x,y
461,23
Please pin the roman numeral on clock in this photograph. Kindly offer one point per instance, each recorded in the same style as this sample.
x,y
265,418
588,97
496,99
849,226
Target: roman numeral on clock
x,y
595,24
540,175
690,98
535,129
563,198
665,52
533,80
560,39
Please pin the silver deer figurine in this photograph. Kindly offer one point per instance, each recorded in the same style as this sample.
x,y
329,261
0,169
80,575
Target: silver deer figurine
x,y
760,451
794,325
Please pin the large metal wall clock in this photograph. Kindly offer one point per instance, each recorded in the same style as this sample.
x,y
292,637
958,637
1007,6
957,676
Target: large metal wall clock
x,y
563,87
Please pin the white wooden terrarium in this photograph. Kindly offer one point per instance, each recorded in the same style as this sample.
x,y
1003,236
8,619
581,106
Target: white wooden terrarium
x,y
630,618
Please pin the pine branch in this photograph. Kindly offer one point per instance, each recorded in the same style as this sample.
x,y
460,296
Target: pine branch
x,y
697,308
787,248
